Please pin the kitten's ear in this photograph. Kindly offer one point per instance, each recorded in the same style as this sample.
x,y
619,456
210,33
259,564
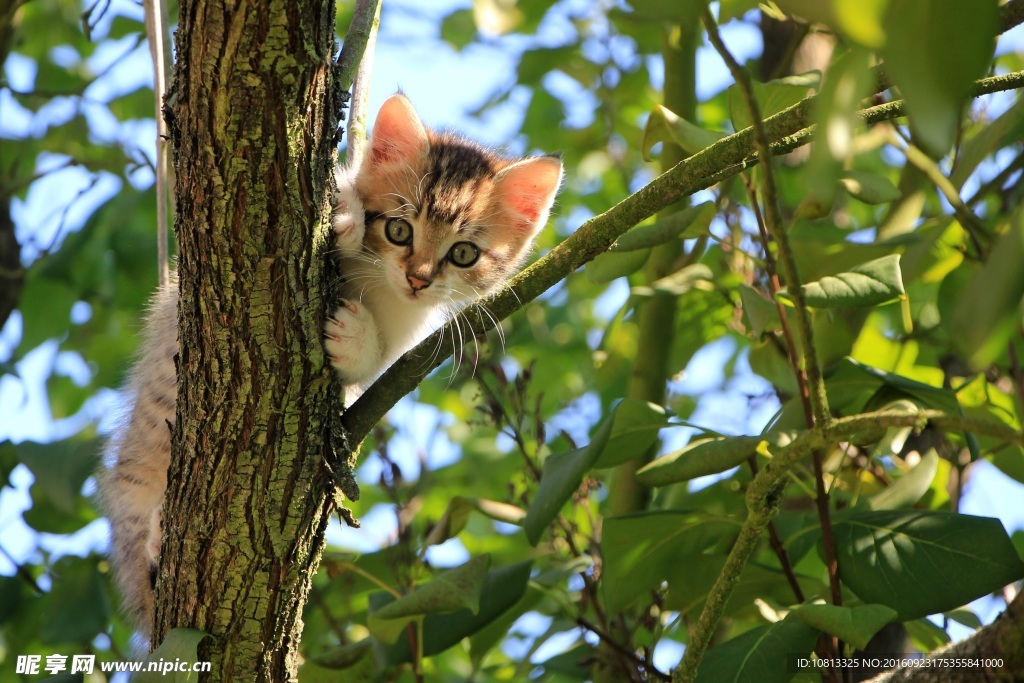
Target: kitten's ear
x,y
398,136
527,190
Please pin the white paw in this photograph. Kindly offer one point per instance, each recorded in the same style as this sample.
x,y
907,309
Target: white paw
x,y
153,537
353,343
347,214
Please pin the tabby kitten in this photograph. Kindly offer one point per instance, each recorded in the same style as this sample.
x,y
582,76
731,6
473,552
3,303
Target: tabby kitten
x,y
426,224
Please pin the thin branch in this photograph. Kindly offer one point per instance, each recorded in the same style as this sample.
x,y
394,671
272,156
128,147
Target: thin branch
x,y
160,49
360,33
357,110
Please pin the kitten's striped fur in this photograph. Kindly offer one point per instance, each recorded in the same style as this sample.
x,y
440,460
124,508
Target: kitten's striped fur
x,y
470,217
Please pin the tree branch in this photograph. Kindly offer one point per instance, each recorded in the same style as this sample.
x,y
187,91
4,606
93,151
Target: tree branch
x,y
789,129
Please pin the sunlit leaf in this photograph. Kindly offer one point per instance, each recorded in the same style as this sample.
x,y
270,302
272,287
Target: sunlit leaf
x,y
920,562
869,284
934,77
700,458
664,125
854,625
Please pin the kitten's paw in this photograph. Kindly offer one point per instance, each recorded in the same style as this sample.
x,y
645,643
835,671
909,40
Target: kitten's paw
x,y
347,215
353,343
153,537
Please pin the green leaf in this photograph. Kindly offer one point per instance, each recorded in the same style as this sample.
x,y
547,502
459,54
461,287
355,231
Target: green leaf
x,y
869,284
1007,129
75,610
698,459
458,29
988,311
686,279
61,468
690,222
664,125
451,590
45,307
855,625
850,79
615,264
561,476
181,644
634,429
952,47
629,430
760,312
921,562
910,488
760,654
456,515
640,548
869,188
502,589
772,97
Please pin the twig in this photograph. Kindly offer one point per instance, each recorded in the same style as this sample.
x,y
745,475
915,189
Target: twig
x,y
629,654
365,19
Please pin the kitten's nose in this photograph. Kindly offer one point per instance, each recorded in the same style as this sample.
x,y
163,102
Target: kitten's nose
x,y
417,283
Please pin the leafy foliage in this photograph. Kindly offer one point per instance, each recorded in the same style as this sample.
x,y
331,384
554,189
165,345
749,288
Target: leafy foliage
x,y
907,238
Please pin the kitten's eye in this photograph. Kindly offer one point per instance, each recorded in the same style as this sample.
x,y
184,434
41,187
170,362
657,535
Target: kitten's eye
x,y
463,254
398,231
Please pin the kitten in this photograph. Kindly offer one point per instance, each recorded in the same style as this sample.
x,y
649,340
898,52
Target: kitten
x,y
428,223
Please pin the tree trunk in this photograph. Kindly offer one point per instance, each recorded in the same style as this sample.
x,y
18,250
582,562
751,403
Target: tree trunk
x,y
248,497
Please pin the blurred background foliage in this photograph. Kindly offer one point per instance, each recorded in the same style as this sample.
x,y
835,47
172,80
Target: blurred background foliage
x,y
547,582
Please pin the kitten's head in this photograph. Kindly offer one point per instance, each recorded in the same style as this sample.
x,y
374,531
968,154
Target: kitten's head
x,y
447,219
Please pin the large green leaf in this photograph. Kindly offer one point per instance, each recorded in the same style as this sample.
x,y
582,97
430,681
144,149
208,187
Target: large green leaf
x,y
869,284
688,223
762,654
854,625
664,125
921,562
909,488
502,588
455,589
615,264
634,429
952,47
628,432
988,310
772,97
639,549
698,459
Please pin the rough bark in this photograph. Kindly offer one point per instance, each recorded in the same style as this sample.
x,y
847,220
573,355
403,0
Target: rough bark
x,y
248,497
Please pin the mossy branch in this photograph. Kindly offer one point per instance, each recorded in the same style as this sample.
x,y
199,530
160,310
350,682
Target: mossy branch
x,y
764,490
787,130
